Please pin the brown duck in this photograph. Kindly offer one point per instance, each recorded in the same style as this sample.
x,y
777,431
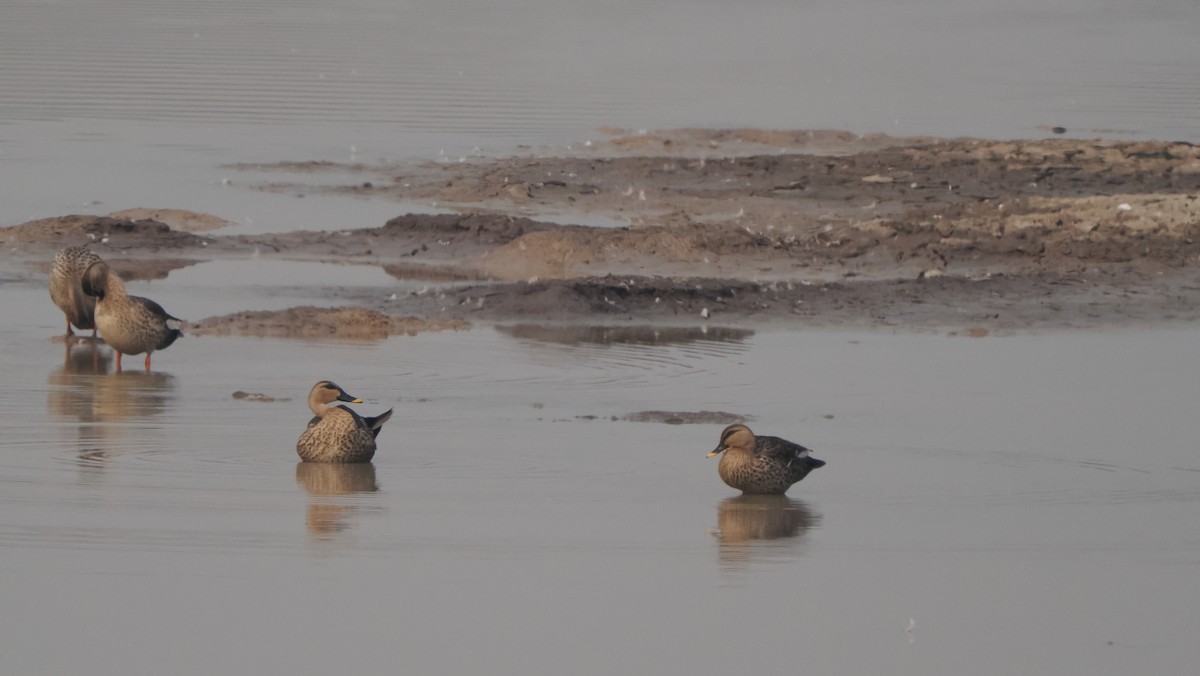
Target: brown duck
x,y
129,324
761,465
66,288
337,434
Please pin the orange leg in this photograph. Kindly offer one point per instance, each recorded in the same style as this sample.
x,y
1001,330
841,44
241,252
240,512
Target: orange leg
x,y
118,362
147,362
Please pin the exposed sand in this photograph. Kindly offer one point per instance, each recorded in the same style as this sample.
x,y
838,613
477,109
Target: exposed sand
x,y
827,228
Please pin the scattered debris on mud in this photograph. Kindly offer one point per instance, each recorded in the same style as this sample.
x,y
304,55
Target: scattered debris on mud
x,y
730,225
257,396
687,417
350,323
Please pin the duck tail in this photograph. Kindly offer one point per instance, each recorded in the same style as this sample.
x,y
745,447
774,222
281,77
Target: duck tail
x,y
172,336
376,423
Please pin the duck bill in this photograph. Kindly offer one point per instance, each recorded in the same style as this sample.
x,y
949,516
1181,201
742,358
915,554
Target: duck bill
x,y
715,451
814,463
352,400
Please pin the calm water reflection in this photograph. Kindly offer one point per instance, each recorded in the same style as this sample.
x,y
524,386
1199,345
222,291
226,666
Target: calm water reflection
x,y
84,391
324,483
985,489
751,527
84,356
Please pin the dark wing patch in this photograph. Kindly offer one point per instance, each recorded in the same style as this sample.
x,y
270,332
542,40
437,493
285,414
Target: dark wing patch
x,y
377,422
782,449
153,307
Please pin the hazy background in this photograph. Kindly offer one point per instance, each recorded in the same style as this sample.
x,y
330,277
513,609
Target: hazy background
x,y
134,103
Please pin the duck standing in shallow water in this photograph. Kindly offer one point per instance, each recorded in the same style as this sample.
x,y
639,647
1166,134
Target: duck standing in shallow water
x,y
66,287
337,434
761,465
129,324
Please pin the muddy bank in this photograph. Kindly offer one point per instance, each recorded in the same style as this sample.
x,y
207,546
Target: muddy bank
x,y
720,226
965,304
312,322
687,417
588,334
897,206
135,248
103,233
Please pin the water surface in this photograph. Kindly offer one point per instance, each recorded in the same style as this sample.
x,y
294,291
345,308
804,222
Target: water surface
x,y
1037,491
993,506
112,104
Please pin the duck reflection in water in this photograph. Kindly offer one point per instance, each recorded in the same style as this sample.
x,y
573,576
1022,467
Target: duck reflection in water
x,y
753,527
84,390
85,356
325,483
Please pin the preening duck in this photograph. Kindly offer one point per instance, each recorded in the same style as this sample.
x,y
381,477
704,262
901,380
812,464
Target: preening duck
x,y
129,324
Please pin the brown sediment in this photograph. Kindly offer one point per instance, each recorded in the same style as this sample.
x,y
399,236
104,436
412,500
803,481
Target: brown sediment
x,y
687,417
176,219
821,227
577,334
353,323
1000,301
242,395
103,233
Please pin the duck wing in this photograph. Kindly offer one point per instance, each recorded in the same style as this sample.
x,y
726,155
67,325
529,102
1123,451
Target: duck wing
x,y
796,458
153,307
156,313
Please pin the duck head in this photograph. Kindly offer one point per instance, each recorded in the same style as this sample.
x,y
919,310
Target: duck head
x,y
95,280
735,436
327,392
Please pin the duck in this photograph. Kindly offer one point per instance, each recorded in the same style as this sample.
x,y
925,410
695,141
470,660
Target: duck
x,y
129,324
336,433
66,287
761,465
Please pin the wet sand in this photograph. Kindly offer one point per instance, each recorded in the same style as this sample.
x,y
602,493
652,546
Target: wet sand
x,y
819,228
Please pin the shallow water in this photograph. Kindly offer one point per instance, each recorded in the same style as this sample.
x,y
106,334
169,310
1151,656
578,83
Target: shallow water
x,y
111,104
998,505
1038,491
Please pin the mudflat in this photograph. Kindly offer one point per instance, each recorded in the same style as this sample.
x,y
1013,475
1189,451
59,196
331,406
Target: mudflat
x,y
821,227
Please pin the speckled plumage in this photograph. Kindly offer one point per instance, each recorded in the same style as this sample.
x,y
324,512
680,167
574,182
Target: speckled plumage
x,y
337,434
129,324
66,290
761,465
